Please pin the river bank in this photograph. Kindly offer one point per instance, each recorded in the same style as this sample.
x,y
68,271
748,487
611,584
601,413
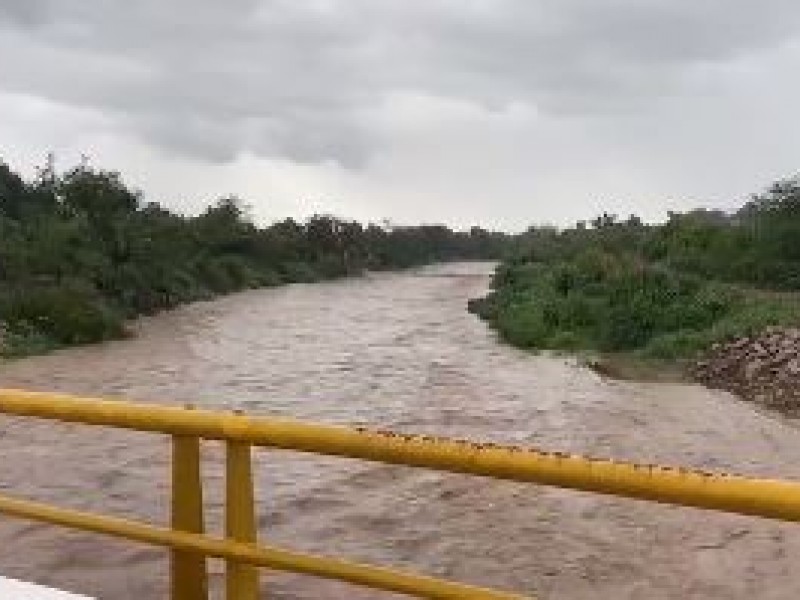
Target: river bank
x,y
630,320
763,368
82,253
649,297
26,340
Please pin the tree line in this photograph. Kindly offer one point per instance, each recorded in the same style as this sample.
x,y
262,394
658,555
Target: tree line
x,y
81,252
665,290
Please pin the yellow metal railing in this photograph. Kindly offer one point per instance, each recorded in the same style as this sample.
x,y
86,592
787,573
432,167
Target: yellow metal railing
x,y
189,546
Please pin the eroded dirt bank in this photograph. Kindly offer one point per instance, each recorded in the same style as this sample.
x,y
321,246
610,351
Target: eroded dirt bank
x,y
397,351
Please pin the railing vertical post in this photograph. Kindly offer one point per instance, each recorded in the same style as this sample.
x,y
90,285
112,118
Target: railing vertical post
x,y
188,576
241,581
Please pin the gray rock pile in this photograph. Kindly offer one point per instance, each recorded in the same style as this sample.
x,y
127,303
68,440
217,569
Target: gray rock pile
x,y
764,368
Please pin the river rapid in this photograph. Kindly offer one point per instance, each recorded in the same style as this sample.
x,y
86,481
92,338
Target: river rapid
x,y
395,351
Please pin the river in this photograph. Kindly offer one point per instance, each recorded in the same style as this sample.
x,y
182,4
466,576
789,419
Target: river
x,y
395,351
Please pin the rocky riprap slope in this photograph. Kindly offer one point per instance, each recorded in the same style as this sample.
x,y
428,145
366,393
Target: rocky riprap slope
x,y
764,368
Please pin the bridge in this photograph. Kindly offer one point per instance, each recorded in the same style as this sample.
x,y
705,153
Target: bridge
x,y
189,546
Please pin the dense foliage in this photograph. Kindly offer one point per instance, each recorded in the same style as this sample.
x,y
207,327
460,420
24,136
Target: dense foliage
x,y
664,290
80,252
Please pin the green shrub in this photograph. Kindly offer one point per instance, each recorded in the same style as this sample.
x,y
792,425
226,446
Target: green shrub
x,y
25,340
567,340
69,313
523,325
616,304
268,278
299,272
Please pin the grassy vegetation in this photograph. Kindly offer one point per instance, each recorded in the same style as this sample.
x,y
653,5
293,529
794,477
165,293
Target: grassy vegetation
x,y
652,291
80,252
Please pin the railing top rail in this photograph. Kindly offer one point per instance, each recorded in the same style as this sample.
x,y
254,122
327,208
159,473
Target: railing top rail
x,y
777,499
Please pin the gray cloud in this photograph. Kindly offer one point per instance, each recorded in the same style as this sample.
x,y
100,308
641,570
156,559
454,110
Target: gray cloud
x,y
292,79
23,13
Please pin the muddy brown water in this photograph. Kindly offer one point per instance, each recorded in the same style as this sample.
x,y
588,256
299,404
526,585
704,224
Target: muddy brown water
x,y
395,351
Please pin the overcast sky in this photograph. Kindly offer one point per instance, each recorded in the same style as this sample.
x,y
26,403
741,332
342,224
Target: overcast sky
x,y
498,112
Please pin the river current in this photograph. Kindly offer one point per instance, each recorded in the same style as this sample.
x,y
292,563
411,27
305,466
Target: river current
x,y
399,351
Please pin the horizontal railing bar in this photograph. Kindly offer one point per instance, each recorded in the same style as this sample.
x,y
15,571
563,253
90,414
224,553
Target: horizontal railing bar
x,y
776,499
263,556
